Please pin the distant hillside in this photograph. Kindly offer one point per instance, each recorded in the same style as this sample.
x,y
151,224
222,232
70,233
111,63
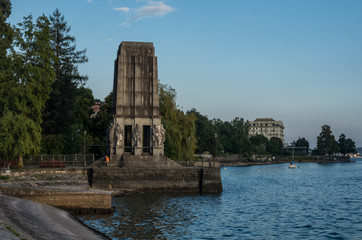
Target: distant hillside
x,y
359,150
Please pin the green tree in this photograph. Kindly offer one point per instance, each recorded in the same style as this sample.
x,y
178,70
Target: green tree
x,y
239,136
302,143
100,123
61,114
6,40
259,144
275,146
27,89
346,145
205,133
326,143
180,128
222,144
301,146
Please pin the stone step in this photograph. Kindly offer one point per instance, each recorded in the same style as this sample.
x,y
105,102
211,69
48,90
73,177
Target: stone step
x,y
148,161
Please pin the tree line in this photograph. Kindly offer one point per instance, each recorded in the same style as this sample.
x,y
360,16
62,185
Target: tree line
x,y
44,106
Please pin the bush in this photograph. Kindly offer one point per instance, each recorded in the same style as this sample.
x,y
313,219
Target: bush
x,y
52,164
4,177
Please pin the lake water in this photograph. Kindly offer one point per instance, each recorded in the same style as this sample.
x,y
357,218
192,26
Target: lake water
x,y
314,201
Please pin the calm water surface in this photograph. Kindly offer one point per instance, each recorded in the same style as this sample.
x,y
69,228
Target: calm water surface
x,y
315,201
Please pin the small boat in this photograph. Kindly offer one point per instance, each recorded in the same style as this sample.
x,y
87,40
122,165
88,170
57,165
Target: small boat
x,y
292,165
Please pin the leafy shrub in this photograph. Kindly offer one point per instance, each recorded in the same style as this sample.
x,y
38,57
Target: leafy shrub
x,y
4,177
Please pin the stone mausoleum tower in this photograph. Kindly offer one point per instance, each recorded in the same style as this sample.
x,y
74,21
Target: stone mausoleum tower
x,y
136,129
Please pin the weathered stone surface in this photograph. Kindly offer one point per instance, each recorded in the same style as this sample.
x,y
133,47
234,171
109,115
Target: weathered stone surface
x,y
135,101
62,199
159,180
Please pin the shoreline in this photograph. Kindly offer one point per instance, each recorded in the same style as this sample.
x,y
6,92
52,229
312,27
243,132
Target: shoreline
x,y
24,214
32,220
21,218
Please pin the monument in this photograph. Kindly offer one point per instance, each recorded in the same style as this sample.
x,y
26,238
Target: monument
x,y
136,128
136,136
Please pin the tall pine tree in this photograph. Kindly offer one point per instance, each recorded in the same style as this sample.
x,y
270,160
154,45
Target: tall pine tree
x,y
326,143
59,122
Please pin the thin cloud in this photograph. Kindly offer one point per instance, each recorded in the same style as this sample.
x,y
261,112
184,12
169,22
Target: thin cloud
x,y
153,9
122,9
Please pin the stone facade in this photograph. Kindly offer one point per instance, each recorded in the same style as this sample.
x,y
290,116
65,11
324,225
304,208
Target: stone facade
x,y
136,128
267,127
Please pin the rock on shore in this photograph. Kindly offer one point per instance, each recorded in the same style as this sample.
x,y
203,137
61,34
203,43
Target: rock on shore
x,y
21,218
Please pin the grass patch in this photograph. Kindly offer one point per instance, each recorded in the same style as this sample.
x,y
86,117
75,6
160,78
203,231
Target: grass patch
x,y
4,177
12,230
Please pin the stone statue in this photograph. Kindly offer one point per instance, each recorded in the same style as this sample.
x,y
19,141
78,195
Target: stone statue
x,y
119,135
158,135
163,135
137,136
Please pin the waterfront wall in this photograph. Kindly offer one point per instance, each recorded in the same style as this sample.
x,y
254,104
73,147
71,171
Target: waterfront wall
x,y
78,202
180,180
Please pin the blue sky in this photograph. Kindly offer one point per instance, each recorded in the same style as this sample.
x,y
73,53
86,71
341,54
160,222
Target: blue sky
x,y
295,61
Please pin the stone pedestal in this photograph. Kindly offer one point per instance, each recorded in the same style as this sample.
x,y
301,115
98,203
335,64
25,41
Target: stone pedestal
x,y
158,151
137,150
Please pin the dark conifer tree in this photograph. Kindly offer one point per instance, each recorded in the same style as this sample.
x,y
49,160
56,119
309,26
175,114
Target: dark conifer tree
x,y
326,143
60,118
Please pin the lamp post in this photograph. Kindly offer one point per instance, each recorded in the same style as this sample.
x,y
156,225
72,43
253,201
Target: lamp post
x,y
84,149
215,145
189,143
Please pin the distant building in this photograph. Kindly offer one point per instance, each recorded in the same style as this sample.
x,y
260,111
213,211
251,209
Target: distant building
x,y
267,127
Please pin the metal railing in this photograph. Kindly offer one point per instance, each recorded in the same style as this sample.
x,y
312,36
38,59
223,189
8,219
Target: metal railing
x,y
53,160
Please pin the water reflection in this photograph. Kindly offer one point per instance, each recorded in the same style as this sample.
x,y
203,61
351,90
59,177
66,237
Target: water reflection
x,y
152,216
259,202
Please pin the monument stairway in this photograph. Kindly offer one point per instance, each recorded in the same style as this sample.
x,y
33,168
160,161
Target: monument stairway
x,y
148,161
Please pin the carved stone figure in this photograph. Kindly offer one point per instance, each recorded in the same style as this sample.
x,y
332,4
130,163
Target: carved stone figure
x,y
158,135
119,135
163,135
137,136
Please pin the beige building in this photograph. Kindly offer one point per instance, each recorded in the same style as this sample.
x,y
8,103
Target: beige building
x,y
267,127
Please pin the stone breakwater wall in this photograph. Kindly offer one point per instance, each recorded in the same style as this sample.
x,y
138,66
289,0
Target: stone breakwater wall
x,y
74,201
180,180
